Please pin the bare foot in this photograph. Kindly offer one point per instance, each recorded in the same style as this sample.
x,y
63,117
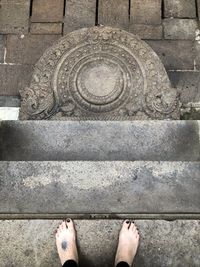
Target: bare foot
x,y
66,241
128,243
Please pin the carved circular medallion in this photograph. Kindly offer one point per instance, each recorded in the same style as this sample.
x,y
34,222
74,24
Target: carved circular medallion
x,y
99,73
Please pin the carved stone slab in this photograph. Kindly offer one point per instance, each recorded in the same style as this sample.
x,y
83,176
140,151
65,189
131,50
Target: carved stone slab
x,y
99,73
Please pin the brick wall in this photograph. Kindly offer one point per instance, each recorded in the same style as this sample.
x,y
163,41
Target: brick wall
x,y
170,27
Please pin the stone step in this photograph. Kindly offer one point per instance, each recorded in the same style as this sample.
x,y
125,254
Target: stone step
x,y
100,140
80,187
162,243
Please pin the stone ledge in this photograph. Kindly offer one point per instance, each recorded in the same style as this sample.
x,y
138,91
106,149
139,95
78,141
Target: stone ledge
x,y
162,243
100,140
99,187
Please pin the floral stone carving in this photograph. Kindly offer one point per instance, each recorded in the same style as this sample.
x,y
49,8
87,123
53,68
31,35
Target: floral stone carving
x,y
99,73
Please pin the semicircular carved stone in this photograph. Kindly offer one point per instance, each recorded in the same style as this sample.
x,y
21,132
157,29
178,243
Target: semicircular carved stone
x,y
99,73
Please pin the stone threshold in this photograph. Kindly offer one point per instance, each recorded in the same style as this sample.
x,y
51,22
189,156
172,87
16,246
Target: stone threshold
x,y
110,216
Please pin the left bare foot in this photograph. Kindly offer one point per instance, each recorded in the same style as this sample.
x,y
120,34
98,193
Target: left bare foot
x,y
66,241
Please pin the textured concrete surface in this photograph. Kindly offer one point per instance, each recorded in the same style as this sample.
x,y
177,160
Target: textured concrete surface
x,y
162,243
99,187
98,140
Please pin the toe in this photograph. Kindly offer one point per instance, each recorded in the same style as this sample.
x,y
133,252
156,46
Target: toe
x,y
70,224
132,227
126,224
63,225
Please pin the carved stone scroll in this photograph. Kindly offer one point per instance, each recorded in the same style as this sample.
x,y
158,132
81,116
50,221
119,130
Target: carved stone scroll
x,y
99,73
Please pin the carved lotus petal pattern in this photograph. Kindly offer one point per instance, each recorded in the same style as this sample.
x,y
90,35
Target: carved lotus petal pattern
x,y
99,73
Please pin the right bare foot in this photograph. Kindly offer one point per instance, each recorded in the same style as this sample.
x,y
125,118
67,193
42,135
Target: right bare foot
x,y
128,243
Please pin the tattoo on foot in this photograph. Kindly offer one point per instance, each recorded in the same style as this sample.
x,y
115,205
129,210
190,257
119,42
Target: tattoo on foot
x,y
64,245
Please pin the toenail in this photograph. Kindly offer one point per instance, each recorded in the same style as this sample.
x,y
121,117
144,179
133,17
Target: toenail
x,y
68,220
127,222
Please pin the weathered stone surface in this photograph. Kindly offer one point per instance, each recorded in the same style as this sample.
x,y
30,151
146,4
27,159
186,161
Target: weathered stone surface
x,y
47,11
145,12
114,13
90,140
79,14
13,78
187,84
147,31
99,73
46,28
162,243
14,16
2,48
9,101
180,28
99,187
167,51
27,49
180,8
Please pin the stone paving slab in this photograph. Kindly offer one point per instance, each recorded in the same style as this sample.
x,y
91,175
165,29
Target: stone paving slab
x,y
14,16
47,11
187,84
99,187
46,28
145,13
180,8
100,140
162,243
114,13
29,48
79,14
21,76
167,52
180,29
150,32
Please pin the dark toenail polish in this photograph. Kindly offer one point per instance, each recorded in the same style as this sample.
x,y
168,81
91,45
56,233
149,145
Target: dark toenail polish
x,y
68,220
127,222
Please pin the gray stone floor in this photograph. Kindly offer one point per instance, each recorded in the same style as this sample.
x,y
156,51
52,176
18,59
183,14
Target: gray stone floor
x,y
163,243
99,187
